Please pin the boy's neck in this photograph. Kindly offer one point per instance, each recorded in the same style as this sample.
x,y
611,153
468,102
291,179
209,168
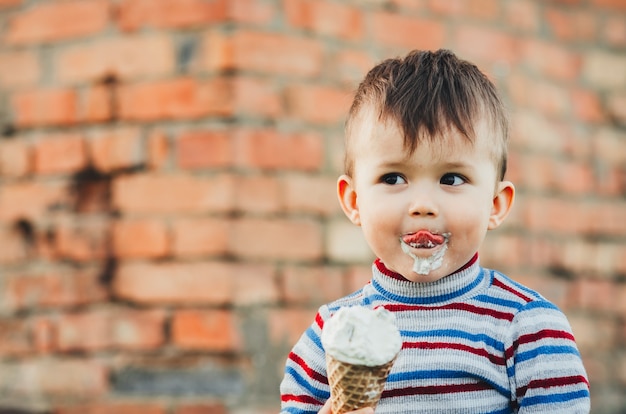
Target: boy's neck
x,y
383,269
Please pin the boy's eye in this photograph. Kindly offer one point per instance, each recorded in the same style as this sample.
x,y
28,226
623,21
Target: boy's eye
x,y
452,179
393,179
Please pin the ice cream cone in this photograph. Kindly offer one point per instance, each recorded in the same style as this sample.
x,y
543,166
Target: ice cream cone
x,y
355,386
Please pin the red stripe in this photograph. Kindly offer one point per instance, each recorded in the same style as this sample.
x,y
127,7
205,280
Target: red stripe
x,y
553,382
453,306
536,337
305,399
308,370
436,389
319,320
497,282
495,359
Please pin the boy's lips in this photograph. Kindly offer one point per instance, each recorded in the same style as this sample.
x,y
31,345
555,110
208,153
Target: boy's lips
x,y
423,239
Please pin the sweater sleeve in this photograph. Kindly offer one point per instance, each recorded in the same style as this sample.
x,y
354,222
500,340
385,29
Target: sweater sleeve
x,y
304,388
545,368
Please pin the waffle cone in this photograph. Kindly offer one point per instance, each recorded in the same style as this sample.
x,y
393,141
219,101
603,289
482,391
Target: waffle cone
x,y
355,386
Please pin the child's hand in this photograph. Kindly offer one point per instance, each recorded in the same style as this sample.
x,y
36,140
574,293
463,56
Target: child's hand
x,y
326,410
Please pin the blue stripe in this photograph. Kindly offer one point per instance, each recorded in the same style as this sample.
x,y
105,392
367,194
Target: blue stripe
x,y
454,333
500,302
445,374
294,410
546,350
503,411
430,299
304,383
310,333
554,398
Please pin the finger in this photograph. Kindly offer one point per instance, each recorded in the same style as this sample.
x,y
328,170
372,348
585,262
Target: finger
x,y
326,408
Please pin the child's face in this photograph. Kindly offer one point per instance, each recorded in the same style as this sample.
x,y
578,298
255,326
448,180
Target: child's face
x,y
438,201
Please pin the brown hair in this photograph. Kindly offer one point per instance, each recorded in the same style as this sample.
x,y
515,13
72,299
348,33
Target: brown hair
x,y
427,93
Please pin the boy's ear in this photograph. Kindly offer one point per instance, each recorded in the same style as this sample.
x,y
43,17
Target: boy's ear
x,y
502,203
347,199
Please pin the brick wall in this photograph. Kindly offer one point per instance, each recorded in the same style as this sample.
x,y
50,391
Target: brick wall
x,y
168,218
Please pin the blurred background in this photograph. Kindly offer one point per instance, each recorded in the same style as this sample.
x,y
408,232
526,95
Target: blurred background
x,y
168,217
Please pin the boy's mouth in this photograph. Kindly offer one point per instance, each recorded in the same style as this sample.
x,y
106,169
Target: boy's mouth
x,y
424,239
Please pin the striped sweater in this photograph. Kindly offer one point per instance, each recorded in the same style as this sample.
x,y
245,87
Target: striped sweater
x,y
473,342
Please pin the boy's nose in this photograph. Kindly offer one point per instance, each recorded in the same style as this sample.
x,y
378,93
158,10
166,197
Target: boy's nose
x,y
423,204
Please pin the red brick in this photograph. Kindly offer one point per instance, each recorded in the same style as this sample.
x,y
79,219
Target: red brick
x,y
593,334
286,239
15,339
485,44
523,15
214,283
60,288
45,107
501,251
357,277
9,3
251,11
118,148
593,295
257,97
54,377
14,246
609,146
200,237
449,8
587,106
344,242
213,330
81,240
312,285
214,408
43,334
607,217
15,158
183,98
311,194
318,104
616,107
111,328
614,31
325,18
407,32
550,60
97,104
135,14
350,66
614,5
269,149
286,325
128,57
171,193
483,9
49,22
259,194
158,150
30,200
204,149
59,153
575,177
571,24
278,54
111,407
139,238
19,69
555,290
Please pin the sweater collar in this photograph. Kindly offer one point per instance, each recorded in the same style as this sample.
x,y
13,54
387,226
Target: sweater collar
x,y
466,282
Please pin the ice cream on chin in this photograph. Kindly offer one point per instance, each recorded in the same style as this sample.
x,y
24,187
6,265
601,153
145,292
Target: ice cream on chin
x,y
425,240
362,336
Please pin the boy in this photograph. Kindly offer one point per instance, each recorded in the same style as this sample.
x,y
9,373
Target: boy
x,y
424,178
